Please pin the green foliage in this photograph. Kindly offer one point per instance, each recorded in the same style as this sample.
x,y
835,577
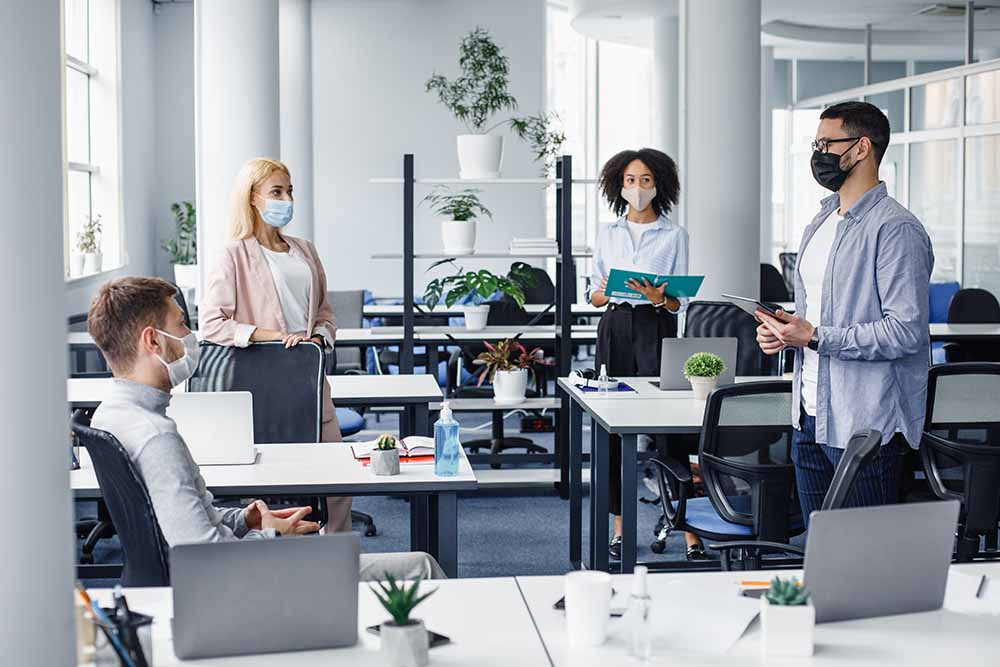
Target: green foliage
x,y
481,90
183,247
89,237
386,441
543,134
508,355
480,285
398,599
787,592
704,365
463,205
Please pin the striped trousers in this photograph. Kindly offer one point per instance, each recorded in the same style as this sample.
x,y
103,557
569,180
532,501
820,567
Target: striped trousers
x,y
876,484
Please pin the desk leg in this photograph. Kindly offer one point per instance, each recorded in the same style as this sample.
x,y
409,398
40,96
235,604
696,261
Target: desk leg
x,y
630,446
564,434
446,532
433,359
419,515
422,420
575,464
599,458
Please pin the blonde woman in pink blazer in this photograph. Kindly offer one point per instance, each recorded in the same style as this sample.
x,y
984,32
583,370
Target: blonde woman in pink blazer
x,y
268,286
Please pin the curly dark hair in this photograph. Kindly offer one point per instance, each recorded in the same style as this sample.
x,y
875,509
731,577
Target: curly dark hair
x,y
668,184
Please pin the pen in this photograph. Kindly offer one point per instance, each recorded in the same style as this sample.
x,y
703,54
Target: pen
x,y
982,587
760,583
109,629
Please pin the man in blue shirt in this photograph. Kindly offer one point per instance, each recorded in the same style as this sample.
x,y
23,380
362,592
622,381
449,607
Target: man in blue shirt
x,y
860,329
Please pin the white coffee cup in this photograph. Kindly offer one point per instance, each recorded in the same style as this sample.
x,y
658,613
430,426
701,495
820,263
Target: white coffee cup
x,y
588,607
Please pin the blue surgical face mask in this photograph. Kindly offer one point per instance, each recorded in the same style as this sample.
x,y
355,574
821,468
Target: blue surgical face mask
x,y
277,212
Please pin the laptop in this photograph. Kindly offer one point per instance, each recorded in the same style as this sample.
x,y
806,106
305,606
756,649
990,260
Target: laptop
x,y
265,596
217,426
877,561
676,351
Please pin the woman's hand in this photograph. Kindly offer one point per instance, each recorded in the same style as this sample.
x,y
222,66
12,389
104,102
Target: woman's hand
x,y
598,297
652,293
291,340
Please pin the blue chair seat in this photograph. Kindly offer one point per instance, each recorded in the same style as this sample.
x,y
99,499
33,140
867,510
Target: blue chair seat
x,y
350,421
701,515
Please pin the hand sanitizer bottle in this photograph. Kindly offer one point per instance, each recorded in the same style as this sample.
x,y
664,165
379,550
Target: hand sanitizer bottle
x,y
447,447
602,380
637,625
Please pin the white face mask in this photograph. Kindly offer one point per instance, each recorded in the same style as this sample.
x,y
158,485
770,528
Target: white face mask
x,y
638,198
183,367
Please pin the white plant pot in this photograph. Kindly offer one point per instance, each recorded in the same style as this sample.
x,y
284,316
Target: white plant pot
x,y
479,155
385,462
509,387
703,386
787,631
458,237
76,264
91,262
475,317
404,645
186,275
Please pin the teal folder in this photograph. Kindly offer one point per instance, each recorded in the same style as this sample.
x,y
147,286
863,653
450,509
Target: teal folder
x,y
677,286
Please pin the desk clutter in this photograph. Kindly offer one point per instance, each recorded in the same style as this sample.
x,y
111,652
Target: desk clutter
x,y
111,636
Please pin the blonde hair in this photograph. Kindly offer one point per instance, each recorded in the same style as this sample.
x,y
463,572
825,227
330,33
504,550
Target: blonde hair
x,y
244,215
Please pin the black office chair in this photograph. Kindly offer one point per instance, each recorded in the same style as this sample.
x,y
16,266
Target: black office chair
x,y
972,306
787,261
714,319
772,285
960,449
542,291
145,560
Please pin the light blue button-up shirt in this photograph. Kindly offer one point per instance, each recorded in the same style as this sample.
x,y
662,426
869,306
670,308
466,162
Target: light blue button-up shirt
x,y
874,339
663,249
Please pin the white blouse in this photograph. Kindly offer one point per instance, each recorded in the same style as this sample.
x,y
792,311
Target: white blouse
x,y
293,281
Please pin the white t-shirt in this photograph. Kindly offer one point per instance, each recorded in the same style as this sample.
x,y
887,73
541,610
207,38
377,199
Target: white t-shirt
x,y
293,280
812,267
635,229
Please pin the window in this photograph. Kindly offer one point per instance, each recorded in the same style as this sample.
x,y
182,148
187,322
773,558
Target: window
x,y
90,135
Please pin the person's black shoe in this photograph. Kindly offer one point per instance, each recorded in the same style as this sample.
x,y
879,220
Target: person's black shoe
x,y
615,548
696,552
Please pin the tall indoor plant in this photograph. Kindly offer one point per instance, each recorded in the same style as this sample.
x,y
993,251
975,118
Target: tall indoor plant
x,y
473,288
459,211
183,247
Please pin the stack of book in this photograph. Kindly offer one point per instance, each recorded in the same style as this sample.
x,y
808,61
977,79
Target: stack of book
x,y
541,246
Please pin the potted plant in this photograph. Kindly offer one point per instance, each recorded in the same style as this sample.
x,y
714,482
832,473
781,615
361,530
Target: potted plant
x,y
476,96
787,619
183,248
702,370
460,210
385,456
88,245
508,365
474,287
404,639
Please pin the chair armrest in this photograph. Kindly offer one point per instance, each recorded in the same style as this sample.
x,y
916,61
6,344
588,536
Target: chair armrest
x,y
766,547
355,371
675,468
673,516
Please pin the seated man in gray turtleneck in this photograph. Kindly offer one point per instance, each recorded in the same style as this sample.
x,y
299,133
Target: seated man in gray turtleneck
x,y
141,332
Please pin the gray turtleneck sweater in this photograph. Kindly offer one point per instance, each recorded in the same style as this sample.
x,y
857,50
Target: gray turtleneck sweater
x,y
136,414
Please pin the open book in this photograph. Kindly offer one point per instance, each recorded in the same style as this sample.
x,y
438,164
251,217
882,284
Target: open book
x,y
412,447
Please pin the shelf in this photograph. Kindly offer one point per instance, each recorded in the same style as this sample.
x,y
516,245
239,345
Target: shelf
x,y
478,255
482,181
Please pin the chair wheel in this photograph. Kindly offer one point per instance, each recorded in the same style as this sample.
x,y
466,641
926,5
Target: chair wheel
x,y
370,531
658,547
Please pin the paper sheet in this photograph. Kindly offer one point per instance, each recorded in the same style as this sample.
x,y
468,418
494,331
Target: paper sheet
x,y
960,594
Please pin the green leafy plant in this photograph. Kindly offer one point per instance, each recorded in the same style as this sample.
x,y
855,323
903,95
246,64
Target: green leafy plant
x,y
704,365
479,285
398,599
183,248
463,205
543,134
508,355
386,441
787,592
88,240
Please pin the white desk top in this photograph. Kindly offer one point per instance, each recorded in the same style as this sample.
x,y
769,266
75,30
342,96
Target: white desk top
x,y
306,469
931,638
504,636
940,331
396,310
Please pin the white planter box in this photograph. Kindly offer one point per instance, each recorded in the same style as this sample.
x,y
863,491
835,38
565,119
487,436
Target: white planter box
x,y
479,155
787,631
509,387
703,386
458,237
92,263
475,317
186,275
404,645
76,264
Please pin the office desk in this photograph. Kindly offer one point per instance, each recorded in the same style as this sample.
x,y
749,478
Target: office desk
x,y
950,333
396,310
503,637
931,638
650,411
326,469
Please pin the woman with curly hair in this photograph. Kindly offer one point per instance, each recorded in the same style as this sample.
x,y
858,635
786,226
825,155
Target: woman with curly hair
x,y
641,187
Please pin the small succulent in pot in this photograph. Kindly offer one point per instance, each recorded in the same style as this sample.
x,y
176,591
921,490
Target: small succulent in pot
x,y
385,456
386,441
404,639
787,592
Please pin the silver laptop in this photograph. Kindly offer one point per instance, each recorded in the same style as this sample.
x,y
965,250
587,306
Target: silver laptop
x,y
877,561
675,352
217,426
265,596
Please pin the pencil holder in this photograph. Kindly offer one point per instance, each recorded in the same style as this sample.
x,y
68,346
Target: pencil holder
x,y
140,627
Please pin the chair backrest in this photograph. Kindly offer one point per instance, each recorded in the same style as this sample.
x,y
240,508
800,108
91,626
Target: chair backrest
x,y
286,385
718,319
144,550
787,261
745,457
543,291
860,450
973,306
772,285
939,296
961,443
348,311
182,302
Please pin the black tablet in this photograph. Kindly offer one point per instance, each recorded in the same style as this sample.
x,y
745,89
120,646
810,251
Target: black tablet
x,y
751,306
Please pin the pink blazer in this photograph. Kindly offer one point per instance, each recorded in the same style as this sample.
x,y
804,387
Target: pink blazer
x,y
241,295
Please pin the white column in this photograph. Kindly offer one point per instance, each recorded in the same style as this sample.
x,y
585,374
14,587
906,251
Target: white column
x,y
666,53
766,95
37,573
295,61
720,142
236,106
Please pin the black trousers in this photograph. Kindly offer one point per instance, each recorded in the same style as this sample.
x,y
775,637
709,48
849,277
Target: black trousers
x,y
629,341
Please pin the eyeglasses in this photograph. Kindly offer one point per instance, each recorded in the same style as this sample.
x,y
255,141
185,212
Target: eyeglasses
x,y
823,145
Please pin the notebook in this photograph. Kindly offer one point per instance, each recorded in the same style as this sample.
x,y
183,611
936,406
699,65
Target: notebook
x,y
411,448
677,286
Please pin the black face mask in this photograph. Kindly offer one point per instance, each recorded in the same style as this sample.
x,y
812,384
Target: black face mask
x,y
827,171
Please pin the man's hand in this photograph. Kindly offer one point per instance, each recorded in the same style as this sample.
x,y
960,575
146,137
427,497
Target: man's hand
x,y
790,330
768,342
252,515
288,521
